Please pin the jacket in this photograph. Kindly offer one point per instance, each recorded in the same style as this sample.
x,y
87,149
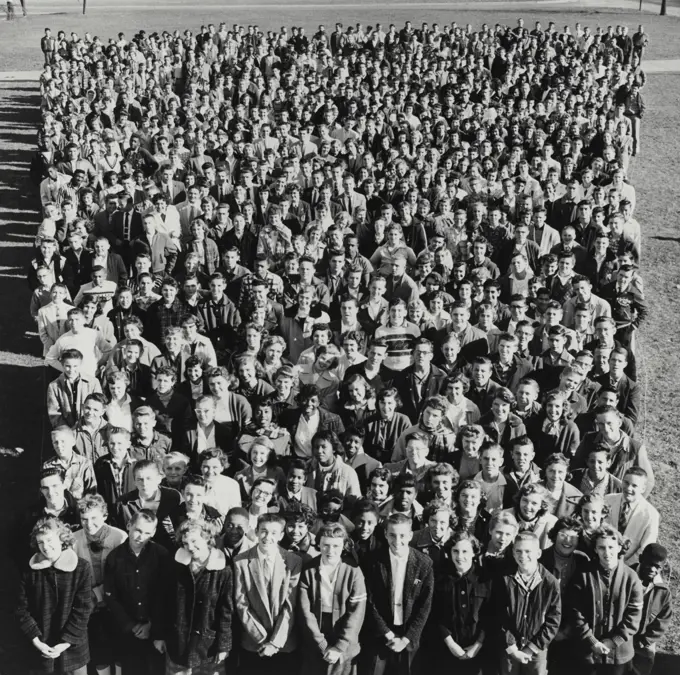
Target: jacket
x,y
54,604
539,625
199,615
112,538
587,612
404,382
266,619
349,609
416,601
657,613
167,514
107,485
162,250
61,408
642,527
340,477
224,439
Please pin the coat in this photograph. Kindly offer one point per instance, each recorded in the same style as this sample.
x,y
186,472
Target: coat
x,y
404,382
113,538
162,250
657,613
199,616
587,612
54,604
266,619
416,601
537,627
61,409
349,609
642,527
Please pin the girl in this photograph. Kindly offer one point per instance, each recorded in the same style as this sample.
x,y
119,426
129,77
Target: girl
x,y
357,400
531,512
562,498
197,636
552,432
55,601
461,410
331,622
262,456
593,512
470,511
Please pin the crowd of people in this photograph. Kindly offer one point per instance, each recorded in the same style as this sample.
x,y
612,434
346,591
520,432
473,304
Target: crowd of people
x,y
341,339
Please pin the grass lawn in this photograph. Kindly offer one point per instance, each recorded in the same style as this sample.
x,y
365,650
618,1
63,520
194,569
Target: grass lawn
x,y
22,420
19,40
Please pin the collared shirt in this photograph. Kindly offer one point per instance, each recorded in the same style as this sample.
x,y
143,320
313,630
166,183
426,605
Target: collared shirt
x,y
205,438
328,576
398,565
304,434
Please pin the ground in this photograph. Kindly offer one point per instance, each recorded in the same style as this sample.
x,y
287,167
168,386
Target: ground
x,y
654,174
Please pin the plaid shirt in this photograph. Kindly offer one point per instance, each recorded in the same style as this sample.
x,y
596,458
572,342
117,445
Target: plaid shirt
x,y
274,282
79,474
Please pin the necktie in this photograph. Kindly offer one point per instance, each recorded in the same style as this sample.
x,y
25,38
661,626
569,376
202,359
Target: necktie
x,y
126,227
623,516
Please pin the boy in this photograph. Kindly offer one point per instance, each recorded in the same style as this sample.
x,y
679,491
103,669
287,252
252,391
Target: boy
x,y
147,443
194,507
492,480
400,584
265,592
148,494
503,528
233,539
295,491
595,478
41,296
78,473
173,412
523,470
657,611
527,609
175,467
134,585
66,395
113,471
53,316
632,514
300,521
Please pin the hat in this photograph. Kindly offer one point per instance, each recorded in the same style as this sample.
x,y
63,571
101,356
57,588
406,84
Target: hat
x,y
654,554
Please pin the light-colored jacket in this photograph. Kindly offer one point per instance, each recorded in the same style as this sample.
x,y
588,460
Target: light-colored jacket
x,y
642,527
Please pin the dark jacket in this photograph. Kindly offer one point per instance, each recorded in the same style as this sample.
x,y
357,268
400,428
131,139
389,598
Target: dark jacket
x,y
224,439
539,625
546,444
135,587
107,486
657,612
587,612
629,395
404,382
465,629
167,514
54,604
417,598
199,616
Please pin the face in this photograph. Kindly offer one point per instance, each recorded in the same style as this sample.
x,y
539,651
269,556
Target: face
x,y
262,495
323,451
259,455
556,474
633,487
140,533
49,545
462,555
52,489
269,535
526,553
502,536
194,497
92,521
62,444
530,505
71,368
439,524
234,529
398,538
566,542
608,550
196,546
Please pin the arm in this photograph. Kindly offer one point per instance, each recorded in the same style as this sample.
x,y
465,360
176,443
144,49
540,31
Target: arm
x,y
121,617
224,612
27,624
283,624
633,404
632,615
251,625
348,627
89,481
643,462
42,331
305,611
658,626
53,406
551,621
52,357
171,254
421,608
75,629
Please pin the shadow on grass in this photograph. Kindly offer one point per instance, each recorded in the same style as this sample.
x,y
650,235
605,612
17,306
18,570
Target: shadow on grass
x,y
22,384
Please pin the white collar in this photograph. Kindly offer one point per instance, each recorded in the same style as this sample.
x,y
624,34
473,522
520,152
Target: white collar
x,y
66,562
216,560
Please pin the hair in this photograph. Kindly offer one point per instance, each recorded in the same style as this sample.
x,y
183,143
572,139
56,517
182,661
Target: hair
x,y
52,524
607,531
365,506
398,519
527,536
438,505
333,531
200,527
213,453
503,518
464,535
532,489
267,518
90,502
145,464
146,515
175,458
567,523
